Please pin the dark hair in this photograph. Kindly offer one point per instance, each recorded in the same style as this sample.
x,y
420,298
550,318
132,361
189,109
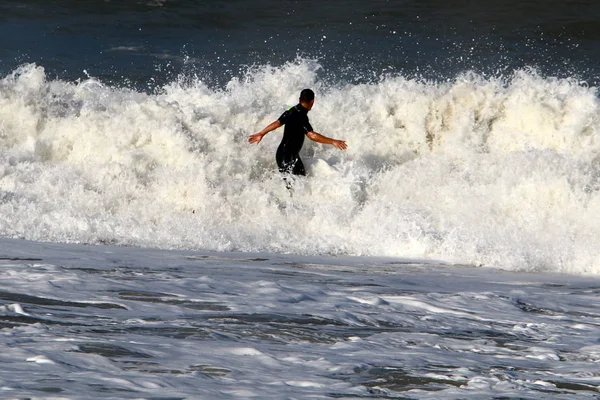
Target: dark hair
x,y
306,96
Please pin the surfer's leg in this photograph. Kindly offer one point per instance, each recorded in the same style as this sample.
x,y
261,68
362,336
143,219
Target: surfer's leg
x,y
295,167
298,168
289,164
282,159
285,167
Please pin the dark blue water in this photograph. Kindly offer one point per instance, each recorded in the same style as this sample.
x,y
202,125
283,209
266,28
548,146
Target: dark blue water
x,y
145,43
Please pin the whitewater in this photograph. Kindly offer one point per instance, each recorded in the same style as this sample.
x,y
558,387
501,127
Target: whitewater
x,y
148,251
486,171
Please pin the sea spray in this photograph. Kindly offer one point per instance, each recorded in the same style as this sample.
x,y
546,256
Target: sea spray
x,y
483,171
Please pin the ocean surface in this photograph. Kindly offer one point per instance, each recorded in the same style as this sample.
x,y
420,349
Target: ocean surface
x,y
148,251
104,322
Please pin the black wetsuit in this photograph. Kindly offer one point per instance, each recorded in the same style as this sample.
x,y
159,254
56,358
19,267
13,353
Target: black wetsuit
x,y
297,126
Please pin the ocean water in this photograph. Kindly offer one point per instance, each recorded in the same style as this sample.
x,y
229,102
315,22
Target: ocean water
x,y
103,322
450,252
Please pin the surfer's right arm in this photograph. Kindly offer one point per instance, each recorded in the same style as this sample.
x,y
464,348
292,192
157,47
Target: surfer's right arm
x,y
257,137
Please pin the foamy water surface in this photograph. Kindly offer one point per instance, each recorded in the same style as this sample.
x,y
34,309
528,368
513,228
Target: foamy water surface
x,y
82,321
479,171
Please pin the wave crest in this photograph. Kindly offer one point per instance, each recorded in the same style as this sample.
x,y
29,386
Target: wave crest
x,y
484,171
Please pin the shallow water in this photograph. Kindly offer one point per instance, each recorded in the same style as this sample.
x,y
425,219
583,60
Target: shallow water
x,y
110,322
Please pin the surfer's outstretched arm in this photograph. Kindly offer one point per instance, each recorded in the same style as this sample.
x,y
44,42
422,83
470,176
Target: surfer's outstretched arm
x,y
317,137
257,137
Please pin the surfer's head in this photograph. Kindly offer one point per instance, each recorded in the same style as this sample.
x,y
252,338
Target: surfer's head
x,y
307,98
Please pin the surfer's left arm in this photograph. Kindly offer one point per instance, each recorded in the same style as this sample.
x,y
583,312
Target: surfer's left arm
x,y
317,137
257,137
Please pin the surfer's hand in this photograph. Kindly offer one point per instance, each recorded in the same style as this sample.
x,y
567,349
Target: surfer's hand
x,y
340,144
256,138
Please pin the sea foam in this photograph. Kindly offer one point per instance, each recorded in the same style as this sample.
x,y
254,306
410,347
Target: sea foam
x,y
481,171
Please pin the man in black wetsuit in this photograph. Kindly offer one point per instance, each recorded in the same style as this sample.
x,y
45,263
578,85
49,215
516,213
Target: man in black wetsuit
x,y
297,126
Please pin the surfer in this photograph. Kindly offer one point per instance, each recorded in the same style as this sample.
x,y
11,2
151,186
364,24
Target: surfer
x,y
297,126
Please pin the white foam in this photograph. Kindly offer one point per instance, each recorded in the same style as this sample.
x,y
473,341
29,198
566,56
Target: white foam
x,y
40,360
474,171
15,308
